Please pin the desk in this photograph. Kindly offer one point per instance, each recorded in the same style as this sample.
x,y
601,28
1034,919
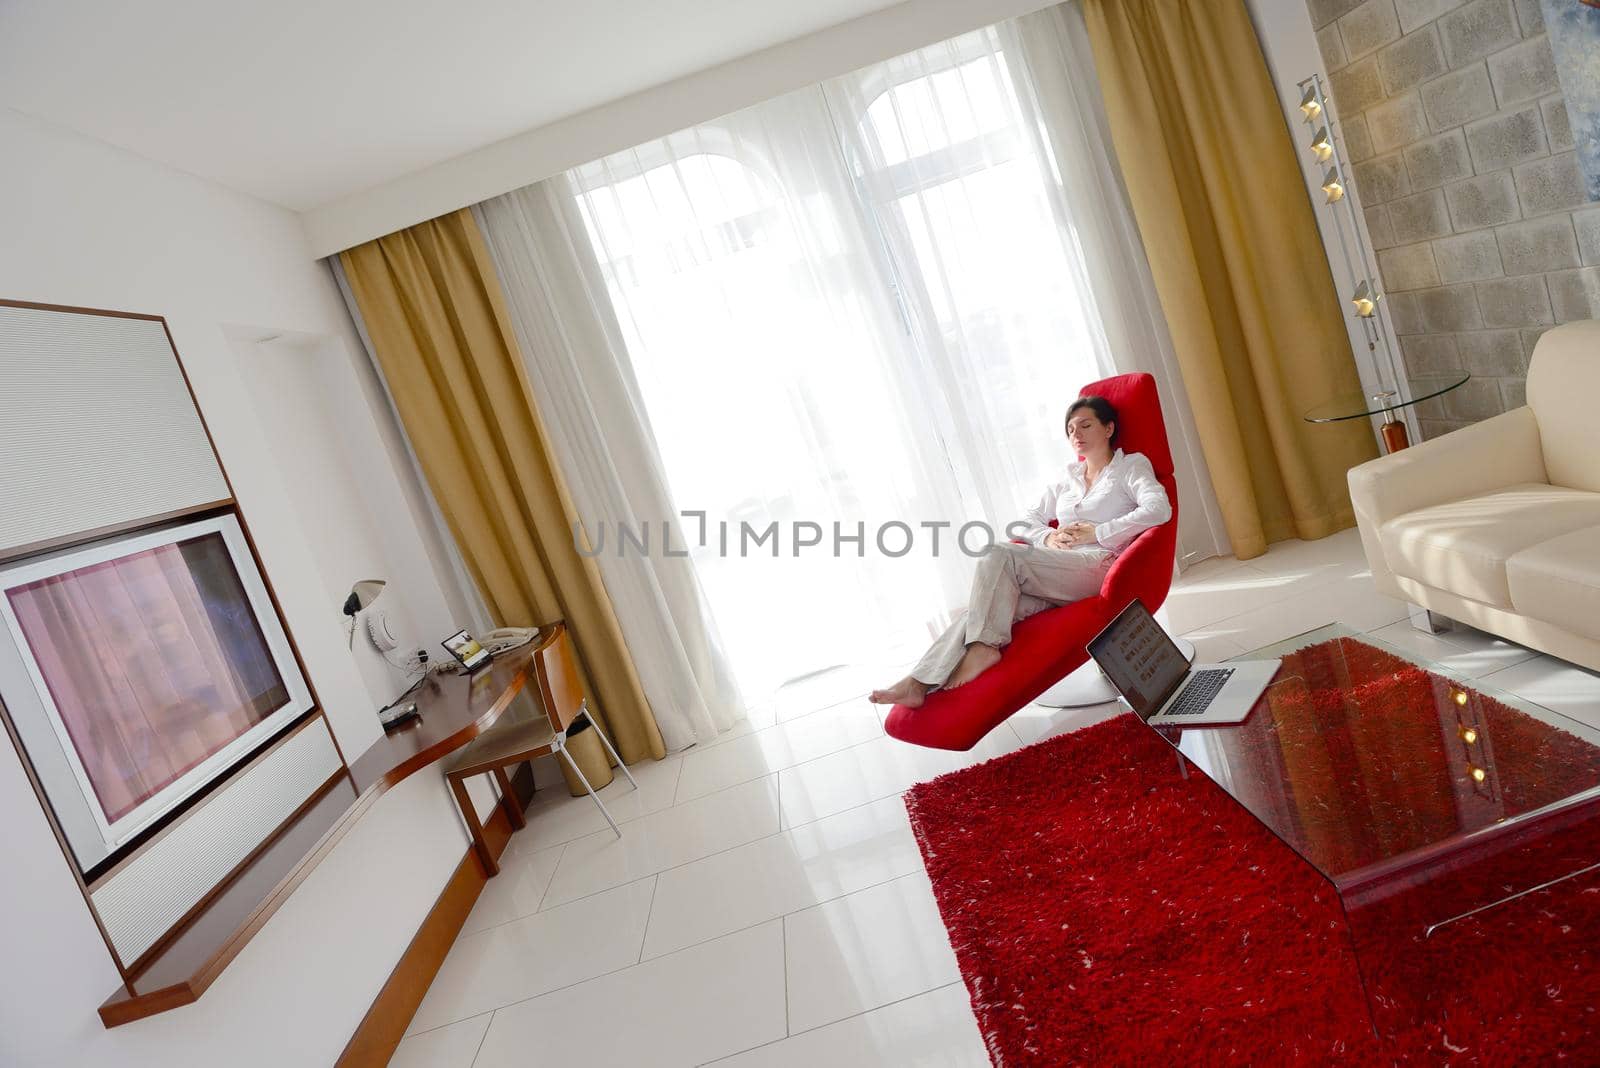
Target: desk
x,y
452,710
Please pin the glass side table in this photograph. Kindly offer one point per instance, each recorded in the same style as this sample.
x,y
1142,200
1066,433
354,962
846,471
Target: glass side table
x,y
1362,406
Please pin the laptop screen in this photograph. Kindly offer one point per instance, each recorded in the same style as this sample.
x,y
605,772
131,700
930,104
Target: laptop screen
x,y
1140,660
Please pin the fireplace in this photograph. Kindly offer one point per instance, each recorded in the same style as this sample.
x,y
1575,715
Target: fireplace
x,y
137,671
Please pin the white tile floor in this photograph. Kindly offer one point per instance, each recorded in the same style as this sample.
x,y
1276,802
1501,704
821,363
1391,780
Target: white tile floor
x,y
767,902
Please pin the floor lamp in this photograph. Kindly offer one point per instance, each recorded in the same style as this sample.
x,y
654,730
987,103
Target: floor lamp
x,y
1361,275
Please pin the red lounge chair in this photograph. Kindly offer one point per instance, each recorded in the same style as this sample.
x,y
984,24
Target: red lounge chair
x,y
1047,647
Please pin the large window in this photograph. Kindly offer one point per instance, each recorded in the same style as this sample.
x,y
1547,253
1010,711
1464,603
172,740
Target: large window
x,y
849,305
961,191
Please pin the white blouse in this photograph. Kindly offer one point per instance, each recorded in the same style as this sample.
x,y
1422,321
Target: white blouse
x,y
1126,500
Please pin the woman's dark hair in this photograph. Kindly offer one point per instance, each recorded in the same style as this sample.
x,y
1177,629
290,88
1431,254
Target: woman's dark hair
x,y
1102,410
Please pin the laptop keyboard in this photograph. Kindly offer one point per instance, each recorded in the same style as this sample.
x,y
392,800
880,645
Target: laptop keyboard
x,y
1197,694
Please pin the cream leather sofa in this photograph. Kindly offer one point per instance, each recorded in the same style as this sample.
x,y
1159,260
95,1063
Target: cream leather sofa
x,y
1498,524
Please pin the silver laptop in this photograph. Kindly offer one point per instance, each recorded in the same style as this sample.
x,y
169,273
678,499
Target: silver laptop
x,y
1160,685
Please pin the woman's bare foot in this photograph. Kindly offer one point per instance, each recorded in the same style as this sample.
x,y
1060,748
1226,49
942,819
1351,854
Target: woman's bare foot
x,y
977,659
908,691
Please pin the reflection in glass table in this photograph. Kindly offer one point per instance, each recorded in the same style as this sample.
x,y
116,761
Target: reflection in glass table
x,y
1422,800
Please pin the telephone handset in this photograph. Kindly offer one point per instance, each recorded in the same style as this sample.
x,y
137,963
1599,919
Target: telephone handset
x,y
498,641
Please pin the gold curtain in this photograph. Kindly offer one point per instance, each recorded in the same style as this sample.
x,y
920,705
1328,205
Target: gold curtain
x,y
438,323
1238,265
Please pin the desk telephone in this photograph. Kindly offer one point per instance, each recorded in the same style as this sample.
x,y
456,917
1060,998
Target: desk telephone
x,y
498,641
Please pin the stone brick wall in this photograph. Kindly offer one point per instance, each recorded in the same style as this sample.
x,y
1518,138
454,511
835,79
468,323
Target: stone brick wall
x,y
1462,157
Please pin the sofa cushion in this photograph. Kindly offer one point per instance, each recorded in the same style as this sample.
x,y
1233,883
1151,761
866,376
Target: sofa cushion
x,y
1558,581
1563,381
1462,546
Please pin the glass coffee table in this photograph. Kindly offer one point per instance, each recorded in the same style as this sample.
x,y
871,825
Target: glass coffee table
x,y
1424,801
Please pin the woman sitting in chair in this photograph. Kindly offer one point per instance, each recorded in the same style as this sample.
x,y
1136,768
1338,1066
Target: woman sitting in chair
x,y
1107,500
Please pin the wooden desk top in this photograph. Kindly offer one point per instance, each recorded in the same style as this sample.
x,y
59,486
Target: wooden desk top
x,y
454,710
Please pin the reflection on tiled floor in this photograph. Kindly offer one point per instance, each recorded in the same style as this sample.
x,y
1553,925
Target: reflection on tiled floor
x,y
767,902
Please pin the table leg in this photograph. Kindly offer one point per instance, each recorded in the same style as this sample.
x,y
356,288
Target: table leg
x,y
1395,437
458,786
508,800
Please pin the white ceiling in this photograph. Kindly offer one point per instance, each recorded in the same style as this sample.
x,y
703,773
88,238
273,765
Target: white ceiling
x,y
302,102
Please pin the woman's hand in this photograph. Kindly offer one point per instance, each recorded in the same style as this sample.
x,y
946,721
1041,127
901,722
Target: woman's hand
x,y
1081,534
1071,536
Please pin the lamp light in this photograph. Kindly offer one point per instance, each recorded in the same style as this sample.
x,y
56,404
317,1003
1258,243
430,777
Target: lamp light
x,y
362,596
1310,106
1366,302
1332,185
1322,145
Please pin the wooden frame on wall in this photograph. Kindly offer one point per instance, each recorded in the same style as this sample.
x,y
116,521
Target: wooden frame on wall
x,y
187,958
118,860
130,523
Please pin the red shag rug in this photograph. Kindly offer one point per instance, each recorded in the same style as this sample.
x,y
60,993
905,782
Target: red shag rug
x,y
1106,910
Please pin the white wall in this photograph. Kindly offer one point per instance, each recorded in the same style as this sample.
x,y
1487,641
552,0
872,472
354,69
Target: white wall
x,y
537,154
86,224
309,390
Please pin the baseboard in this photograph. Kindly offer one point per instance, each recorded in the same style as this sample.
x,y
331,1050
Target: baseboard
x,y
381,1030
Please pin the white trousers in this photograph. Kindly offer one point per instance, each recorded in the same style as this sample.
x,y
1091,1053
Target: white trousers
x,y
1012,583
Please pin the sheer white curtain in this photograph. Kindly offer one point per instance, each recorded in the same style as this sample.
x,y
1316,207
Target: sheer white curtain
x,y
1000,309
600,432
968,151
780,383
865,302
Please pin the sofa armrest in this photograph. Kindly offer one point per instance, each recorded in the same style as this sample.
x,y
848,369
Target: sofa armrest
x,y
1480,458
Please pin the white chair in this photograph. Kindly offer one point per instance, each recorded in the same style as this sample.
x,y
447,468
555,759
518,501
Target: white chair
x,y
529,732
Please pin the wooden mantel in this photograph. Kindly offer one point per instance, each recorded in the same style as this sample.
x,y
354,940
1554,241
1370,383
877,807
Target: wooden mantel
x,y
454,710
